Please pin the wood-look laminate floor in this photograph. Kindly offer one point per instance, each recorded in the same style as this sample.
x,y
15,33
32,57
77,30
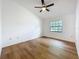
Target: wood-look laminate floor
x,y
42,48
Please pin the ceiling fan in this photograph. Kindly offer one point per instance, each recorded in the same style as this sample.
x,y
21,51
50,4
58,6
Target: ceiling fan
x,y
44,6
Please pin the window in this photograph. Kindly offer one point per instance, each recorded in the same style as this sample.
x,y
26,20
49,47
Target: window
x,y
56,26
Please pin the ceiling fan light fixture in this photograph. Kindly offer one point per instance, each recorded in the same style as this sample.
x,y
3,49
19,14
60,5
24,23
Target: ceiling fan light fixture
x,y
44,6
43,9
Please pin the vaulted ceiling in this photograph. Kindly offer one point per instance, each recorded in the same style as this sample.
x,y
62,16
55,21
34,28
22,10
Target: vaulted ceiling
x,y
61,7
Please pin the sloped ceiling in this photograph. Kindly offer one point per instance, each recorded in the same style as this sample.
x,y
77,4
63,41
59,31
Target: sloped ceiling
x,y
61,7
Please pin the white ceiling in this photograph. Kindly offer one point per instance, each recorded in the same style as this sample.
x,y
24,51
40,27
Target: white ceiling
x,y
61,7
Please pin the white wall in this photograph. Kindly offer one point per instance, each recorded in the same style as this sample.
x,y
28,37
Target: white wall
x,y
68,33
18,24
0,27
77,26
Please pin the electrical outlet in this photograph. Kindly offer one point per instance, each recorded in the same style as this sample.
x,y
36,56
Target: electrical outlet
x,y
17,37
10,38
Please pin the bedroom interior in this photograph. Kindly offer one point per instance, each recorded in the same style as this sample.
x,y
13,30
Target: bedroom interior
x,y
39,29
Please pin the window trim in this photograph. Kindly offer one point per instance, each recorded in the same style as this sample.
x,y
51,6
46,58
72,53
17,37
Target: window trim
x,y
60,30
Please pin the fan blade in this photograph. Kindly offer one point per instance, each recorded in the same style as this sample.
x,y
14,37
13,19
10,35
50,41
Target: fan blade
x,y
48,10
42,2
50,5
38,7
40,10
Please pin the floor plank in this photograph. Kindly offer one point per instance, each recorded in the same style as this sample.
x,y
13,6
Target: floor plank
x,y
41,48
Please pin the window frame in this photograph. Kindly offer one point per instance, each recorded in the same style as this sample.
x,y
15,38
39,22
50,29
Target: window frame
x,y
55,25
